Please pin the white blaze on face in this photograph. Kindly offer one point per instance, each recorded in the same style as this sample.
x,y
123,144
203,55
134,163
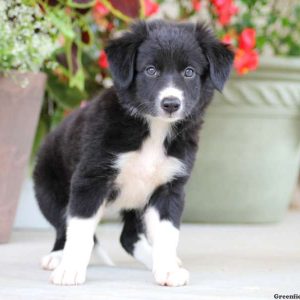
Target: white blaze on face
x,y
171,91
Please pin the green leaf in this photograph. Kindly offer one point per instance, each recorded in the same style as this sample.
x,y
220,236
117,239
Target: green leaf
x,y
77,81
260,42
64,95
62,22
297,11
81,3
272,18
285,22
57,117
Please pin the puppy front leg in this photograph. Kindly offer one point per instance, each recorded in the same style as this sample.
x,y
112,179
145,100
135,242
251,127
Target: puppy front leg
x,y
162,220
77,251
85,210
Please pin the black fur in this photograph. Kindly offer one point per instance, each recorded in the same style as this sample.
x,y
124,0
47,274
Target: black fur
x,y
74,172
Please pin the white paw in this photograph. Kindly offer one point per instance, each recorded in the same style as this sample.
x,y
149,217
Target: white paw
x,y
68,276
177,277
51,260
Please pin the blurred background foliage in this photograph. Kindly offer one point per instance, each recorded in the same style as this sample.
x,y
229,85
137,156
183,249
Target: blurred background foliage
x,y
78,31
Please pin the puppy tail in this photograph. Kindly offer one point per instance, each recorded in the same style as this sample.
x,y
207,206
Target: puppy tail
x,y
102,254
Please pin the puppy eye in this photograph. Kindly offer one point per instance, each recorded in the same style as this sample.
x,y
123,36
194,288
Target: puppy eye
x,y
189,72
151,71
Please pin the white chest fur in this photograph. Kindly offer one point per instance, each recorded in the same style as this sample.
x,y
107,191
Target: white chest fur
x,y
142,171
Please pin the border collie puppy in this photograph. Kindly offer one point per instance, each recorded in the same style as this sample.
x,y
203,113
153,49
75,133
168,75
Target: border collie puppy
x,y
132,148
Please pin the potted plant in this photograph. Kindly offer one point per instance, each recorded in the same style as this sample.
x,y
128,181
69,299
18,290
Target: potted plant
x,y
26,41
248,161
81,68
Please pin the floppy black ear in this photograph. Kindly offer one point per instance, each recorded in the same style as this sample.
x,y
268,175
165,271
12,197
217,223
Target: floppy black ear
x,y
218,55
121,54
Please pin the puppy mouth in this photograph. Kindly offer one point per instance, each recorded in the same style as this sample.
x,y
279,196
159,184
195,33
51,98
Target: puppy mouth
x,y
169,117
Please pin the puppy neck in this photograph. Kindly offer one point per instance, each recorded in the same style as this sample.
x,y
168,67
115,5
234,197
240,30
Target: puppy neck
x,y
159,129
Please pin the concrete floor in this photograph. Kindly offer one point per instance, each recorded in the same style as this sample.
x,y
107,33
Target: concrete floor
x,y
225,261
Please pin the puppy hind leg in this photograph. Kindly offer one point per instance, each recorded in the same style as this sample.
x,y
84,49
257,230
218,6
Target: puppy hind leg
x,y
53,259
133,239
142,251
51,190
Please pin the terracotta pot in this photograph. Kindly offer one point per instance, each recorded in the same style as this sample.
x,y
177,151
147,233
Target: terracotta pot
x,y
19,114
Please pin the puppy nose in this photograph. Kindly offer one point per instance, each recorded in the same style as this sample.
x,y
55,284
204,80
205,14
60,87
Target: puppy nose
x,y
170,104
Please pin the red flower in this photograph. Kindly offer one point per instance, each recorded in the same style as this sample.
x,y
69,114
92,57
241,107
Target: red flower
x,y
227,39
196,5
245,60
246,57
100,9
151,7
225,10
102,61
247,39
110,26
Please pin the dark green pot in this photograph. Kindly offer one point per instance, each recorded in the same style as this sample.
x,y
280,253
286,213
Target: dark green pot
x,y
248,160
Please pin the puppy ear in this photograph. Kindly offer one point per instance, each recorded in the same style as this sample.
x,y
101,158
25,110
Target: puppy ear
x,y
121,54
218,55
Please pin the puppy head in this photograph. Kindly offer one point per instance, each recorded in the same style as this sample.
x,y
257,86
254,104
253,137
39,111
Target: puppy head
x,y
167,70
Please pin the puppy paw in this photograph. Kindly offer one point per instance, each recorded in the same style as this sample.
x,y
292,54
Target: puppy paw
x,y
177,277
68,276
51,260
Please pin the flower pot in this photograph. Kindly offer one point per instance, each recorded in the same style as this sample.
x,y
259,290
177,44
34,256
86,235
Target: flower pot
x,y
248,160
19,113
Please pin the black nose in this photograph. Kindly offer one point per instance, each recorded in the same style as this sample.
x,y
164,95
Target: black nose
x,y
170,104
